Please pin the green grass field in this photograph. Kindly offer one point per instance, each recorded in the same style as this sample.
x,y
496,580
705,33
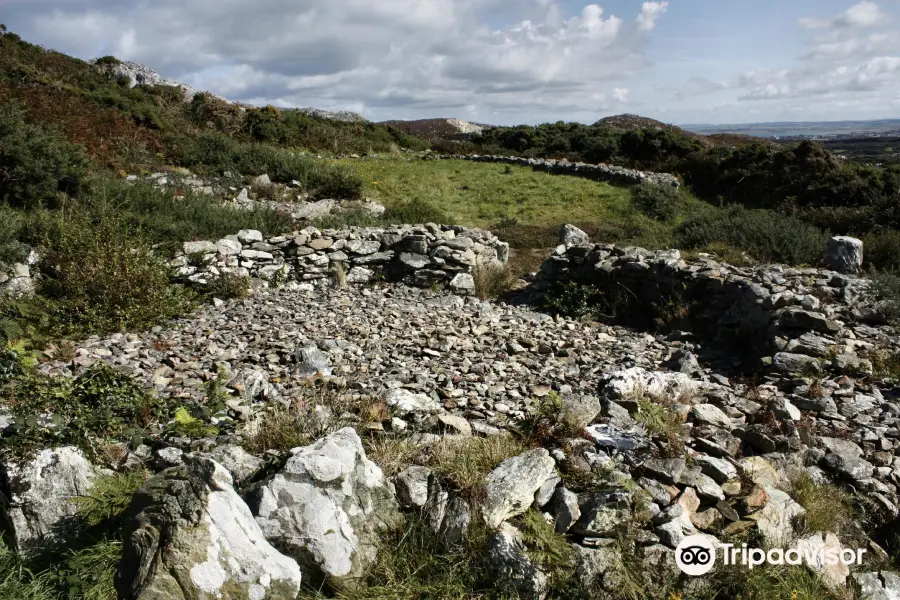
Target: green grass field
x,y
524,207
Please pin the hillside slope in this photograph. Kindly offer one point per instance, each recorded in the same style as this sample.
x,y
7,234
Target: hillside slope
x,y
123,122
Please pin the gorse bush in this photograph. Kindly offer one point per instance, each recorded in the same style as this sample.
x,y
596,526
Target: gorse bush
x,y
765,235
660,202
101,275
36,165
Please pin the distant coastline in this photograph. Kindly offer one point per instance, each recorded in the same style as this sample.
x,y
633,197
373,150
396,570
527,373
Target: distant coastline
x,y
810,130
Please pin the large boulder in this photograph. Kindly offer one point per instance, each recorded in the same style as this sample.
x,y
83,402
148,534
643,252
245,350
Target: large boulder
x,y
39,494
327,508
569,236
189,536
510,488
844,254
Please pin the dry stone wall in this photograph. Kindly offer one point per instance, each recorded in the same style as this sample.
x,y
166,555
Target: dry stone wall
x,y
418,255
795,319
598,172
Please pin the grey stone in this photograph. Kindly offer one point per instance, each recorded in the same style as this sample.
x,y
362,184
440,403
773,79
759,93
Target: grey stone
x,y
249,236
844,254
569,235
404,401
511,568
327,509
312,361
510,488
199,248
412,486
40,490
189,535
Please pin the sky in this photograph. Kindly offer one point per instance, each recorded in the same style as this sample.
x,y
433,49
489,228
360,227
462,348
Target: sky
x,y
504,62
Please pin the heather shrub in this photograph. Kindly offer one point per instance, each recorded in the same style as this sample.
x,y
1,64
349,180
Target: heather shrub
x,y
764,234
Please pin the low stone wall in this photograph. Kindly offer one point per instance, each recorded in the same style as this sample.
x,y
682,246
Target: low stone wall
x,y
421,255
767,308
599,172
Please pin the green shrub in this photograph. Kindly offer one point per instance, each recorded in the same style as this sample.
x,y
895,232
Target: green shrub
x,y
572,299
765,235
101,404
19,318
107,60
348,218
335,182
101,275
227,287
887,290
36,165
882,250
415,212
661,202
11,249
166,219
218,152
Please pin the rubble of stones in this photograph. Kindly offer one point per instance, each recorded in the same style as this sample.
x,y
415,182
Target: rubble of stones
x,y
597,172
453,367
420,255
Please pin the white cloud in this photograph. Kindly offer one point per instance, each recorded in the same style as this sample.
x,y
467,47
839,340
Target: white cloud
x,y
864,14
427,56
650,12
621,94
850,68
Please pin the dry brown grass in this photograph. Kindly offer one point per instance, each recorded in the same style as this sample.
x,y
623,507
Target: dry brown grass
x,y
392,454
493,280
464,462
314,414
523,261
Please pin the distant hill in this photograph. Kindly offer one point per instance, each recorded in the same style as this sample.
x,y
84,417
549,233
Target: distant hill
x,y
629,122
438,129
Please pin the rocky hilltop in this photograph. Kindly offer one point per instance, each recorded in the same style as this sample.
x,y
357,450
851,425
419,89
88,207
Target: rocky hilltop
x,y
136,74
